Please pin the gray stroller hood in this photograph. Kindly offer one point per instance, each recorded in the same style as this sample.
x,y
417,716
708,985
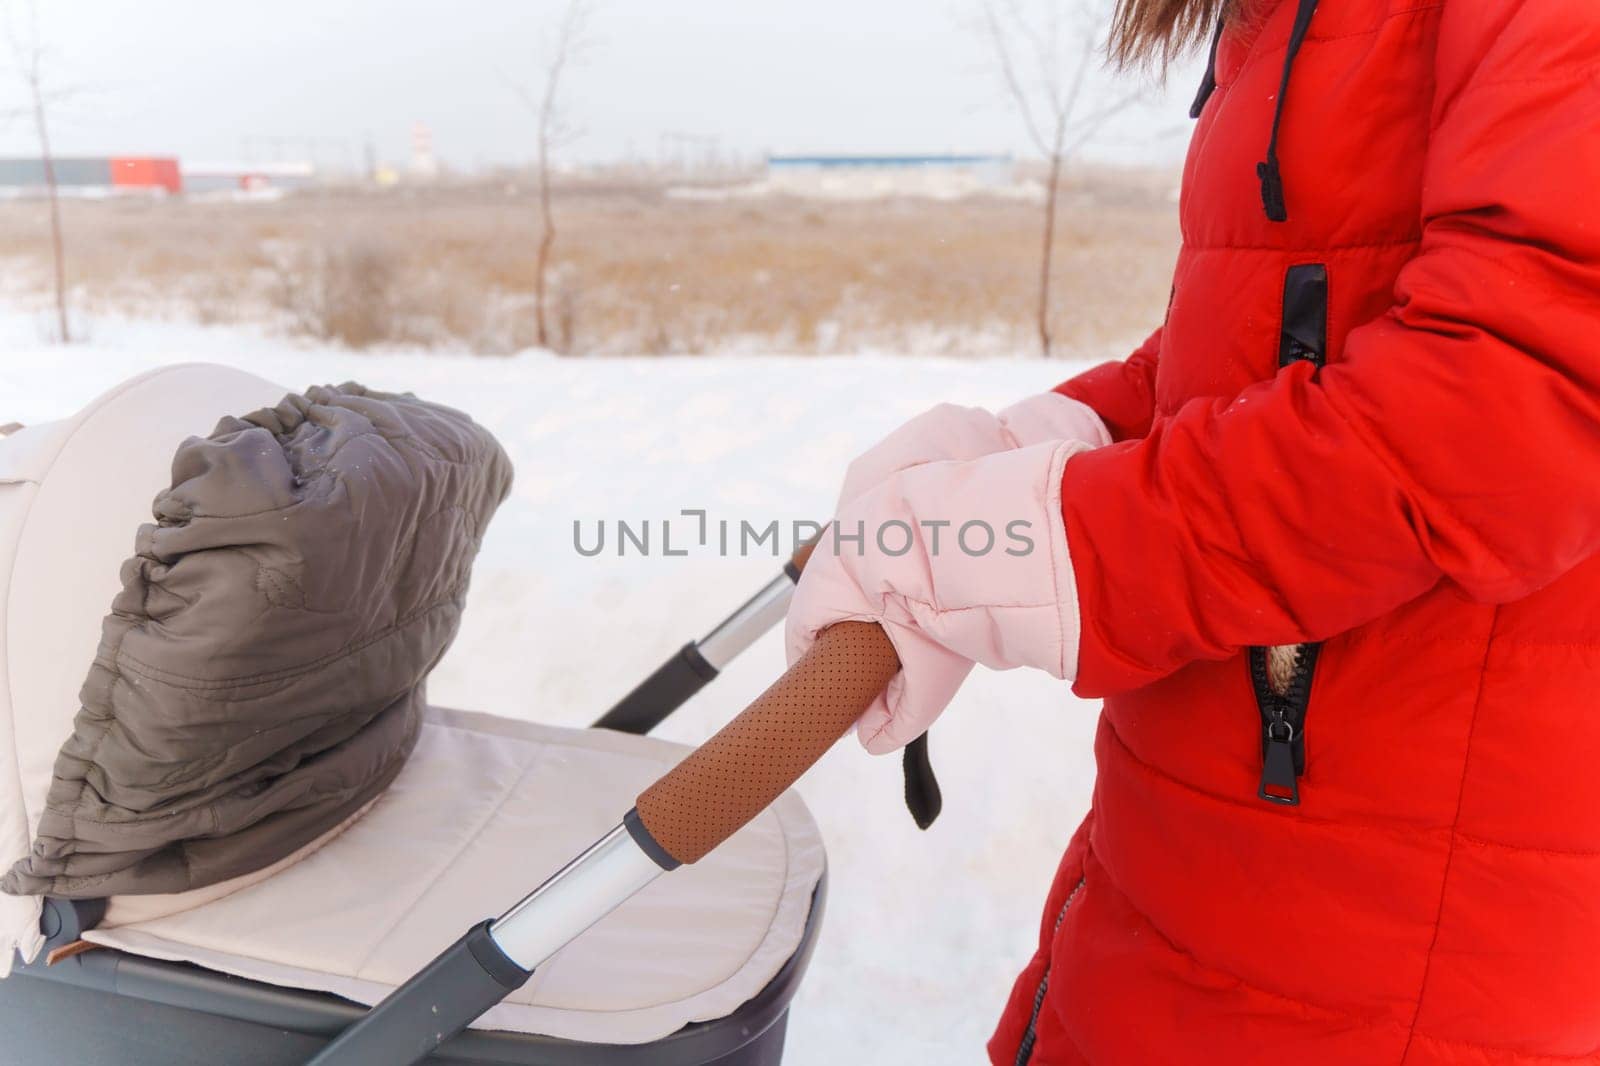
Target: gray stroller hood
x,y
72,493
260,675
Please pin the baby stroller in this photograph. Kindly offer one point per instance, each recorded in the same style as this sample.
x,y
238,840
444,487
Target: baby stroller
x,y
698,967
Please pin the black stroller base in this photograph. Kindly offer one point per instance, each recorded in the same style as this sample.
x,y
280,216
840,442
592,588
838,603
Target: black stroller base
x,y
109,1007
48,1023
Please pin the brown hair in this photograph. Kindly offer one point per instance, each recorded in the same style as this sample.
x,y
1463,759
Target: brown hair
x,y
1151,33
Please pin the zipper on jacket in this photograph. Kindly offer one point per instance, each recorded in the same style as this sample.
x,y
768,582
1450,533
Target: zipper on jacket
x,y
1030,1034
1283,723
1282,701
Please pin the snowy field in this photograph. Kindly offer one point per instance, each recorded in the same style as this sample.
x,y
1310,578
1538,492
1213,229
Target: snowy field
x,y
924,931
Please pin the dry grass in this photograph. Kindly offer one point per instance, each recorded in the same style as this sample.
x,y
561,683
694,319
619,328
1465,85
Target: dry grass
x,y
636,270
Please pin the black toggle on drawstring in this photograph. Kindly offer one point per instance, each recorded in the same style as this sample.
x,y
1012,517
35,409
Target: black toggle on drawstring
x,y
1268,171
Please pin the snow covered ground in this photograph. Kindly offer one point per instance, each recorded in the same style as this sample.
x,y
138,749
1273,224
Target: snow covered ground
x,y
924,931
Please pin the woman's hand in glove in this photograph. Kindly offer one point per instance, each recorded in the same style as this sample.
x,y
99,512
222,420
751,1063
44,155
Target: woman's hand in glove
x,y
951,432
961,563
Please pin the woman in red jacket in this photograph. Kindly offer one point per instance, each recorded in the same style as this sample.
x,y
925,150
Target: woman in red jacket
x,y
1334,578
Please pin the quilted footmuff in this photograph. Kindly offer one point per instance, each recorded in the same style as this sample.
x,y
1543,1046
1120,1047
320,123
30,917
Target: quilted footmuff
x,y
260,676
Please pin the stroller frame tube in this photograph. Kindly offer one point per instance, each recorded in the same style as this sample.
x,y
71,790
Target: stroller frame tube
x,y
745,626
698,662
496,958
573,898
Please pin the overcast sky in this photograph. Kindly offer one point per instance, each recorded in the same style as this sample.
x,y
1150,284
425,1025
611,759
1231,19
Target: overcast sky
x,y
221,79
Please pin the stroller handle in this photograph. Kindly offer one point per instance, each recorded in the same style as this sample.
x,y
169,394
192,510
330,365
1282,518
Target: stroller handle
x,y
697,805
752,760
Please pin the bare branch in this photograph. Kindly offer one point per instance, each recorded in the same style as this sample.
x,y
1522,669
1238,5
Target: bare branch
x,y
1092,123
564,48
532,102
1000,38
29,55
1042,43
1046,73
1069,103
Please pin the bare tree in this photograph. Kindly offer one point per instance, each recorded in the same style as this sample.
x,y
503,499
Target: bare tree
x,y
29,53
1045,53
568,37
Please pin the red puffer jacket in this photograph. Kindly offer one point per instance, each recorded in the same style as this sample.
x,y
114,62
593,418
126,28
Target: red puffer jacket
x,y
1388,849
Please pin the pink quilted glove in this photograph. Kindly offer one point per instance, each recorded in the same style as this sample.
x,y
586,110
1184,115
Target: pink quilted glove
x,y
961,563
952,432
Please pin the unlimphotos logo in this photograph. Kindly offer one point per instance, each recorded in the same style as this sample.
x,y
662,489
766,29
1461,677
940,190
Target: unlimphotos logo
x,y
668,537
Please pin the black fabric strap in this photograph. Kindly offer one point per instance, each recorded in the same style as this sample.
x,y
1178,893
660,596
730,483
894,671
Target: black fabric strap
x,y
1272,197
1208,84
923,798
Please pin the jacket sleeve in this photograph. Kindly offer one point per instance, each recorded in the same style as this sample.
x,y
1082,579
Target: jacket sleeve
x,y
1121,393
1457,439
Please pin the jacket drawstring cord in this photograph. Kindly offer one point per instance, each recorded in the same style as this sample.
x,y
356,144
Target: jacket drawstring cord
x,y
1208,84
1268,171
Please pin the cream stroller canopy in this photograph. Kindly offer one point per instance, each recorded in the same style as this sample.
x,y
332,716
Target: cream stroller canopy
x,y
485,807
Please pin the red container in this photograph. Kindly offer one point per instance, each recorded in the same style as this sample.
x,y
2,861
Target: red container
x,y
146,172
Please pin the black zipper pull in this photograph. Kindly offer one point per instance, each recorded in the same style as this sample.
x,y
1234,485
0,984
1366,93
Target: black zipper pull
x,y
1282,724
1279,782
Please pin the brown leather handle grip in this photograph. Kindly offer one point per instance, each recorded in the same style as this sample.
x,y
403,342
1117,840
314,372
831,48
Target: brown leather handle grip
x,y
736,774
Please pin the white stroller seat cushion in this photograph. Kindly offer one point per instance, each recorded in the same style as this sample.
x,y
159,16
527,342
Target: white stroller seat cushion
x,y
485,809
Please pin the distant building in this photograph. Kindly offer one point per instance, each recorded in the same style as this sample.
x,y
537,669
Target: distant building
x,y
424,164
93,175
254,178
865,176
